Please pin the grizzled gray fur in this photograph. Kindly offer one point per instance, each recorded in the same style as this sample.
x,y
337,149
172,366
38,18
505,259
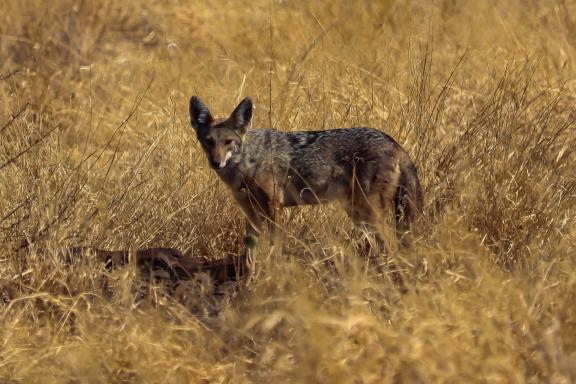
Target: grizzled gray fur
x,y
266,170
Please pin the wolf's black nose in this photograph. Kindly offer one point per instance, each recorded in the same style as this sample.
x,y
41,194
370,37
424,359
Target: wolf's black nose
x,y
215,164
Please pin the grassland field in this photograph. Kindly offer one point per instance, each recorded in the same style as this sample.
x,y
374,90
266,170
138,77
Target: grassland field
x,y
96,149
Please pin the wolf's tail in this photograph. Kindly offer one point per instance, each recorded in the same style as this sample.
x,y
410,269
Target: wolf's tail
x,y
408,200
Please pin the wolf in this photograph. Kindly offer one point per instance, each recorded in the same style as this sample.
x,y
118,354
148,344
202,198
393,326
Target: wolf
x,y
266,170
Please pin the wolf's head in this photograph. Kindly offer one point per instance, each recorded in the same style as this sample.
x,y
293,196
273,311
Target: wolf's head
x,y
220,139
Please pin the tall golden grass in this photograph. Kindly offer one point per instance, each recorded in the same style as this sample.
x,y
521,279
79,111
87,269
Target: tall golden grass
x,y
96,150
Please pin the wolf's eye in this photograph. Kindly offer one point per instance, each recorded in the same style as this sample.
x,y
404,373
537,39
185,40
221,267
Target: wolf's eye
x,y
210,142
228,142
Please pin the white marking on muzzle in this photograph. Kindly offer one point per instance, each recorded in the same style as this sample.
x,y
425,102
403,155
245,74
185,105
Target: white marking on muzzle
x,y
223,162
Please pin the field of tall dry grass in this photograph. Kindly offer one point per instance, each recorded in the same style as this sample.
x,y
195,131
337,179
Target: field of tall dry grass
x,y
96,150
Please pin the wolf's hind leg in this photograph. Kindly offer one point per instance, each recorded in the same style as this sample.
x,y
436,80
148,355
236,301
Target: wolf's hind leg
x,y
368,218
363,217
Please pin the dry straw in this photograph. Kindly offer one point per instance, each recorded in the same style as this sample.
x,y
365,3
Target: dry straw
x,y
96,150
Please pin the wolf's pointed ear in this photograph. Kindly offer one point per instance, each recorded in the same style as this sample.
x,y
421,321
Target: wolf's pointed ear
x,y
242,115
199,114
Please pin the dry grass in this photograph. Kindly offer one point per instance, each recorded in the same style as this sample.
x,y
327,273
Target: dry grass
x,y
96,150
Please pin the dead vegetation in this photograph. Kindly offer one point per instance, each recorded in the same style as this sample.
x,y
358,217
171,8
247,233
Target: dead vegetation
x,y
96,151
